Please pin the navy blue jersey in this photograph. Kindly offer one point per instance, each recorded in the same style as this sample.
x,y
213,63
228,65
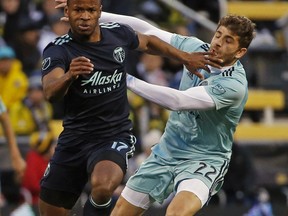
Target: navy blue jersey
x,y
96,105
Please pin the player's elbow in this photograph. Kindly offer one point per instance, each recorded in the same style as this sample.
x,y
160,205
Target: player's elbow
x,y
50,96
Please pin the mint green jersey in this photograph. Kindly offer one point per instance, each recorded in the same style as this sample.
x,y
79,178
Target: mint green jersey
x,y
205,135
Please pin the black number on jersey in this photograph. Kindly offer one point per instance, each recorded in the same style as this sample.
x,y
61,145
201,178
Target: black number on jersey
x,y
201,170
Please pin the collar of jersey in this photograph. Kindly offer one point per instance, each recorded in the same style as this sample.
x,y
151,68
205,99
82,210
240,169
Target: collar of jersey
x,y
214,70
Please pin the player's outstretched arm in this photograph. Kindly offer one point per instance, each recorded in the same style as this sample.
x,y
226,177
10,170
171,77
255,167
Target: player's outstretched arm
x,y
192,61
195,98
137,24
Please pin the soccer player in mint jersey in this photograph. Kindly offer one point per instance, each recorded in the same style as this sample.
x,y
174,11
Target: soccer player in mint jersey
x,y
193,155
86,68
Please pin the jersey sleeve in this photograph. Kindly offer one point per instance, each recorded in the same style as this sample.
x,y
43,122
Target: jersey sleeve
x,y
226,92
130,36
187,43
54,56
137,24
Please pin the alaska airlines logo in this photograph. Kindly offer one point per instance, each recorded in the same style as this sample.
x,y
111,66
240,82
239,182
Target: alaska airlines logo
x,y
119,54
98,79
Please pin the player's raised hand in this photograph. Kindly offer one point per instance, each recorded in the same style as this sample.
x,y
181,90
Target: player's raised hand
x,y
61,4
200,60
80,66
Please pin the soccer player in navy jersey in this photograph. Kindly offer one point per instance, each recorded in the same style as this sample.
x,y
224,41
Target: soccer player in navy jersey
x,y
86,68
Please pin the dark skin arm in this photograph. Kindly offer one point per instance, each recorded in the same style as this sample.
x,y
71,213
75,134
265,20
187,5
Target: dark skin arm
x,y
192,61
57,82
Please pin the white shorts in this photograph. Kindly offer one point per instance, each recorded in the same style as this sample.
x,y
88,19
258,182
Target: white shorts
x,y
143,200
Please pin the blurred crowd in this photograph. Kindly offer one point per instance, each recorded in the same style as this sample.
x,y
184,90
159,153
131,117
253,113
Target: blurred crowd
x,y
26,27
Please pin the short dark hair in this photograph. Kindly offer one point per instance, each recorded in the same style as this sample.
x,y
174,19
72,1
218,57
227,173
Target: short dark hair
x,y
68,1
240,26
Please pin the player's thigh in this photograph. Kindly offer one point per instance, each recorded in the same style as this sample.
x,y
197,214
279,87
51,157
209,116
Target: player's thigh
x,y
125,208
108,164
154,177
106,174
117,150
45,209
184,203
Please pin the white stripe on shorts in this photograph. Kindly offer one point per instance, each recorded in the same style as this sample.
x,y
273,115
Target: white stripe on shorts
x,y
136,198
197,187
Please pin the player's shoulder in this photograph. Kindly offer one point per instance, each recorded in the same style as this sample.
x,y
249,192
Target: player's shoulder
x,y
110,25
237,71
59,41
233,77
114,26
189,43
119,30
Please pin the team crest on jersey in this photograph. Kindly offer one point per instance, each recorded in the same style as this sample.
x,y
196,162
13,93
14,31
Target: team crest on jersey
x,y
218,89
46,63
119,54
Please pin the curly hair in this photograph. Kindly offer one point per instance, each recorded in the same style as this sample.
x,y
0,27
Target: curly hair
x,y
240,26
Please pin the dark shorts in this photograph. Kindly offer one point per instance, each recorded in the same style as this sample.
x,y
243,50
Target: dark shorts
x,y
69,169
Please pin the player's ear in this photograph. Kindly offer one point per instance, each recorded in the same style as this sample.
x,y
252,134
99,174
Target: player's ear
x,y
66,11
100,11
241,53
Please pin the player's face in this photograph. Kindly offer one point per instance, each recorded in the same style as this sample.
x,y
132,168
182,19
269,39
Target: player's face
x,y
225,45
84,17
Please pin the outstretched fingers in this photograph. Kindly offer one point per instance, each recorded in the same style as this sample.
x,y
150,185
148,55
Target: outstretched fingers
x,y
213,61
60,3
201,60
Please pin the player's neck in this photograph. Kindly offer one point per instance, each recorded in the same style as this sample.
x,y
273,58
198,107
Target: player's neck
x,y
217,70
